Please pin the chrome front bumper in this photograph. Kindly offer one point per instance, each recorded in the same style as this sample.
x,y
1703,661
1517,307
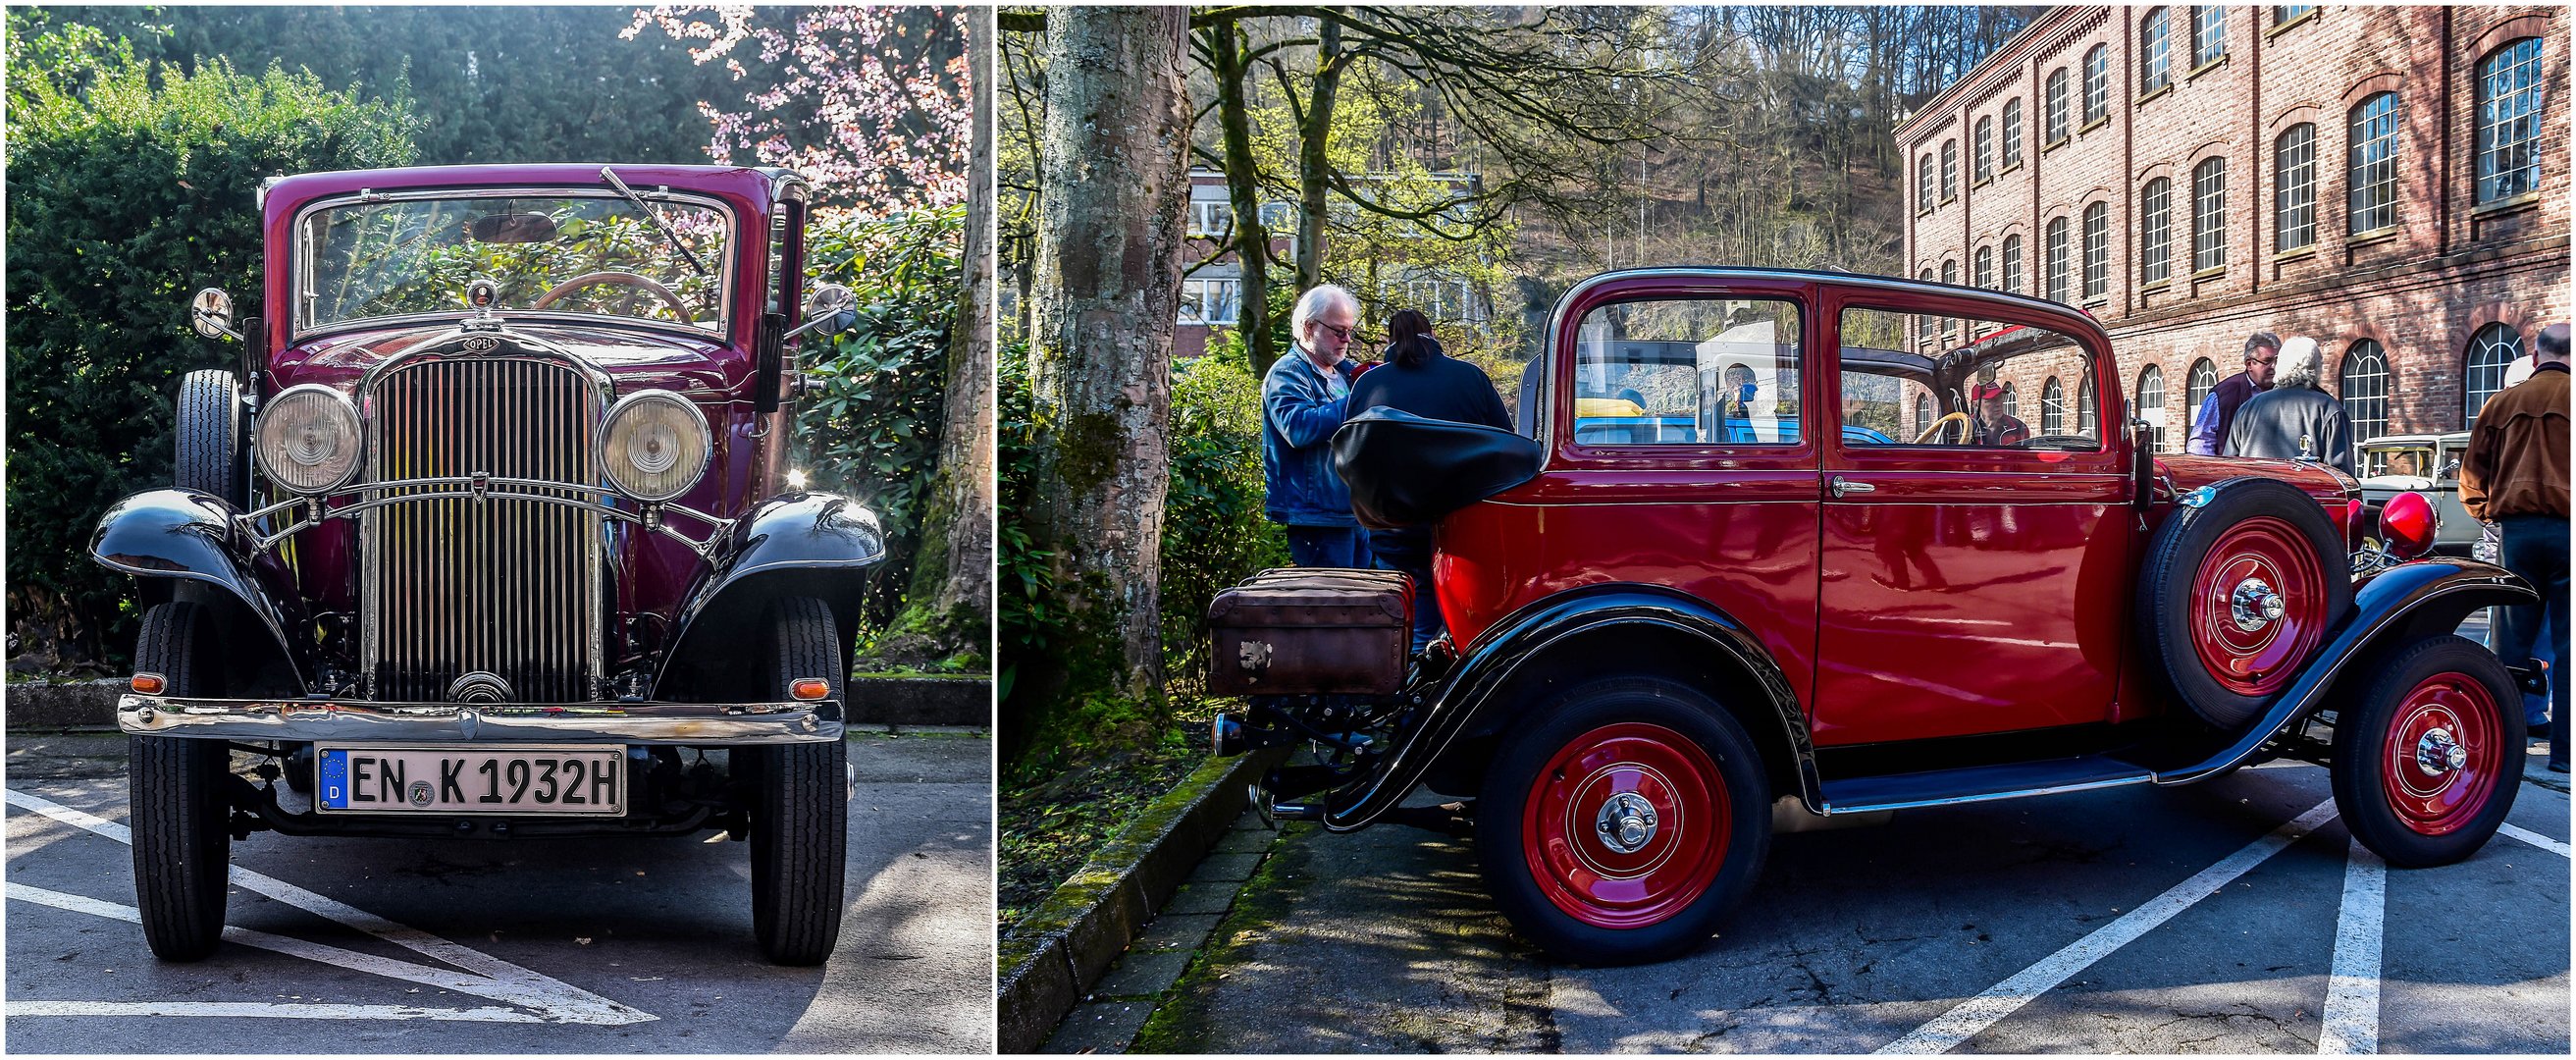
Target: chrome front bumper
x,y
694,724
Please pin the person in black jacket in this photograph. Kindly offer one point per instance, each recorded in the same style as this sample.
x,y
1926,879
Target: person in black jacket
x,y
1415,377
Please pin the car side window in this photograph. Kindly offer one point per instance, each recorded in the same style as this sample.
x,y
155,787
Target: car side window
x,y
1688,371
1934,380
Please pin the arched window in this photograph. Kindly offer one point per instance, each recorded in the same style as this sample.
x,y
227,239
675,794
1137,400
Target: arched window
x,y
2494,347
2052,407
1985,150
2097,84
2195,389
2056,265
1923,184
1922,413
1949,169
1986,267
1949,274
2208,34
2155,52
2373,174
2097,251
2012,265
2209,215
2364,384
2509,116
2151,402
2012,402
2294,188
2057,113
2084,413
1923,322
2155,232
2012,132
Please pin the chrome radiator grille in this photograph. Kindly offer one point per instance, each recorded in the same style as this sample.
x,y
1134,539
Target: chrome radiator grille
x,y
499,584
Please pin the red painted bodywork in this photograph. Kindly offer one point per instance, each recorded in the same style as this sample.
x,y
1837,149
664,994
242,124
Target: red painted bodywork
x,y
714,371
1974,591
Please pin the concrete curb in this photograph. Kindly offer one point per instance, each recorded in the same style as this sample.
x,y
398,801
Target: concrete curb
x,y
1071,939
874,701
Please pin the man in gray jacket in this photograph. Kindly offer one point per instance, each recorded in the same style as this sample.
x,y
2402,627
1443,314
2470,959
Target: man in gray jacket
x,y
2296,419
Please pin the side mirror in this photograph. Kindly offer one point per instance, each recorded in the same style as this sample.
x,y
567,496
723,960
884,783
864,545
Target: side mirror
x,y
2450,469
831,309
211,313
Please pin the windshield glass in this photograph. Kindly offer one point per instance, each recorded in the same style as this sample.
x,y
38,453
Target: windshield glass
x,y
2410,460
564,253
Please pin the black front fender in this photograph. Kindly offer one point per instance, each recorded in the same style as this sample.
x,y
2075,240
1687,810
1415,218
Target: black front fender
x,y
796,544
2397,604
189,536
1470,700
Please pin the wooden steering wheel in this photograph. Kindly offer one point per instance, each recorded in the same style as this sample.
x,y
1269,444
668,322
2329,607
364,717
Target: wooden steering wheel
x,y
1961,418
645,284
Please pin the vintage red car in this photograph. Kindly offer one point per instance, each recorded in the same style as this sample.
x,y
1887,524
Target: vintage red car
x,y
1877,551
490,535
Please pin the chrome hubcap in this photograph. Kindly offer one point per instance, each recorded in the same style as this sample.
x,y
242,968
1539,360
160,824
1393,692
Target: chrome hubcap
x,y
2437,753
1626,822
2255,605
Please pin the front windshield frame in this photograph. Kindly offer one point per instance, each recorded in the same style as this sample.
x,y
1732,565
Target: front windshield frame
x,y
301,264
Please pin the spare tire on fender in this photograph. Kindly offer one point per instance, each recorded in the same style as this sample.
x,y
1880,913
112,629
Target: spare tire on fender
x,y
2238,592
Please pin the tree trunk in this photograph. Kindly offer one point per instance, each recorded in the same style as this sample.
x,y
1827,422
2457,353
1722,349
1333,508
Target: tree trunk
x,y
1114,187
1250,237
952,580
1312,164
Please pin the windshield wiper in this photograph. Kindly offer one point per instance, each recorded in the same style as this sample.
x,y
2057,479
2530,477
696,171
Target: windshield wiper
x,y
649,215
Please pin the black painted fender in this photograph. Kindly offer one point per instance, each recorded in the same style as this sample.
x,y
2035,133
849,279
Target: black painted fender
x,y
1470,699
186,535
2396,604
794,544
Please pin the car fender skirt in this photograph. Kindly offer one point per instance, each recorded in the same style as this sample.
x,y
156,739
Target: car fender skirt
x,y
795,544
185,535
1474,693
2404,601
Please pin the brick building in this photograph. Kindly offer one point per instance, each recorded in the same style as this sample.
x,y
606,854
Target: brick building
x,y
2391,181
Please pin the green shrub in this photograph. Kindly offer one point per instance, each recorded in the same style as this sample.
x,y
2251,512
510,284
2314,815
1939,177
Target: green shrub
x,y
123,198
1214,532
873,432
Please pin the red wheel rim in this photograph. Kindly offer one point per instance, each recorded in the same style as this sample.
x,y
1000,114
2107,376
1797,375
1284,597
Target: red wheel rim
x,y
1591,850
2247,653
2444,751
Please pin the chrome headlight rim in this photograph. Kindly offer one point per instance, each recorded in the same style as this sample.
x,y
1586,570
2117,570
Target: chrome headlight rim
x,y
609,469
269,416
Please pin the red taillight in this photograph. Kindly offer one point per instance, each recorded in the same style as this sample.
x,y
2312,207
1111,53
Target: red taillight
x,y
810,688
2408,525
148,684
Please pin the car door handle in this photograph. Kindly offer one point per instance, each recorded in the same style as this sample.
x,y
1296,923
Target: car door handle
x,y
1843,485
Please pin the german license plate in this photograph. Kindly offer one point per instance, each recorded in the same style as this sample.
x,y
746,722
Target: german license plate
x,y
520,779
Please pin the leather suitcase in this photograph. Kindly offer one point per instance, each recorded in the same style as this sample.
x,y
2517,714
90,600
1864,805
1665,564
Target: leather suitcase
x,y
1300,630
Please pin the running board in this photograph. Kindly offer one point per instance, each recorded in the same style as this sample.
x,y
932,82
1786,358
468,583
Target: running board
x,y
1947,787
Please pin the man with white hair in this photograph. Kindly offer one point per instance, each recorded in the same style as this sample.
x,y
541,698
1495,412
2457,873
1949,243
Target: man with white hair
x,y
2296,419
1303,400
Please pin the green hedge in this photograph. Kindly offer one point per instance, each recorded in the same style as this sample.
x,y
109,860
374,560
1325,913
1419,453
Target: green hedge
x,y
124,197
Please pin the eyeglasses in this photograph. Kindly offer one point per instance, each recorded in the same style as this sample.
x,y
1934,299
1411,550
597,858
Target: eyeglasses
x,y
1338,331
2264,360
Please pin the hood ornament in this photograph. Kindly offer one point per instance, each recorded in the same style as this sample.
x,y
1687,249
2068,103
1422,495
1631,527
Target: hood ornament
x,y
482,296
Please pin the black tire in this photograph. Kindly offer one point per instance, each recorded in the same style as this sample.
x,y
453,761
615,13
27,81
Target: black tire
x,y
1692,875
208,435
800,819
2194,644
179,797
2421,816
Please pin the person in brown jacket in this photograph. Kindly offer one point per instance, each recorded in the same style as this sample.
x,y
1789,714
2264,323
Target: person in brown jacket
x,y
2516,475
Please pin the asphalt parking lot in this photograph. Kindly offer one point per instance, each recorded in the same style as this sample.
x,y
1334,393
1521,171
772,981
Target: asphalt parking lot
x,y
578,946
2235,916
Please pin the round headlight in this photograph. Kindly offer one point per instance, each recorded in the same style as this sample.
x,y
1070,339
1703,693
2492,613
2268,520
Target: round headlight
x,y
655,445
309,440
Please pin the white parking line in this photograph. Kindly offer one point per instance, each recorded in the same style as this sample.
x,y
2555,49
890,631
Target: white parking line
x,y
255,1009
2351,1015
553,1000
1975,1014
2535,839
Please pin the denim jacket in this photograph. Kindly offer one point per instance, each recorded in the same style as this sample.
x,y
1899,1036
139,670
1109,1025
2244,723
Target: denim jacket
x,y
1298,417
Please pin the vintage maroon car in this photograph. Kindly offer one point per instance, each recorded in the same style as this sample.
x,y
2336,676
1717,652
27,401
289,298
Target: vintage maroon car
x,y
490,536
1876,551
